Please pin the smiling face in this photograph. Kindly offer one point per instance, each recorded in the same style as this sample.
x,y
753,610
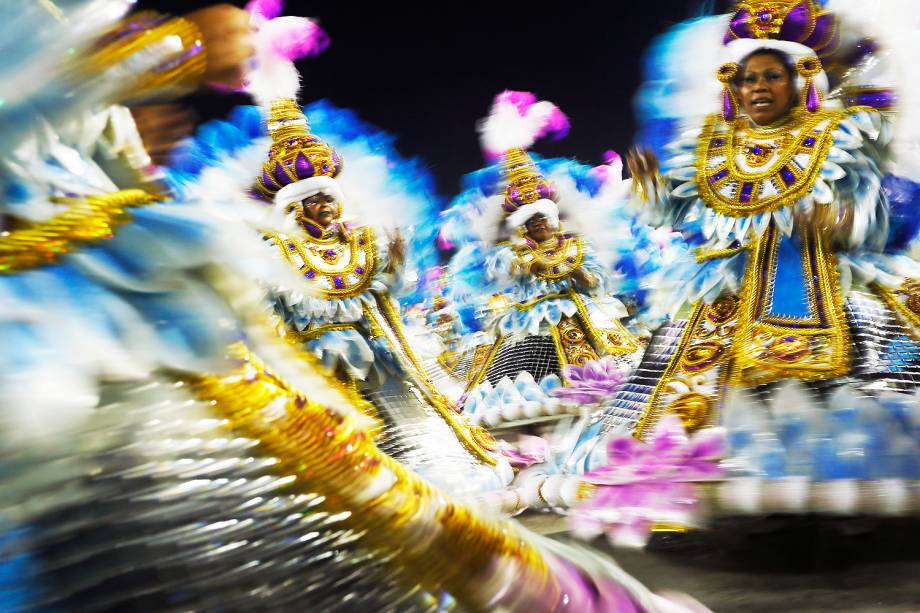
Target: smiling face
x,y
319,208
538,228
765,88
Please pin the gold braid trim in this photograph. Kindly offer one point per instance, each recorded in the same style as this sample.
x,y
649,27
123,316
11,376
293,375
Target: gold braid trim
x,y
88,219
440,544
475,439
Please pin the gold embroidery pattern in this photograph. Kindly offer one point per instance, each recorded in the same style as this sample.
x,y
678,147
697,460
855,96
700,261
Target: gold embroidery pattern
x,y
574,343
905,302
771,347
729,190
86,220
693,382
559,260
617,341
335,279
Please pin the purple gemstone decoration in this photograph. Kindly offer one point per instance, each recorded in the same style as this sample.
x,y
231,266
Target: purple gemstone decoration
x,y
717,142
514,195
359,270
555,269
809,142
303,167
740,26
361,241
310,274
281,177
267,181
570,260
764,16
825,35
728,106
787,175
544,190
797,24
291,141
718,176
291,246
325,167
757,150
745,195
337,281
330,253
812,100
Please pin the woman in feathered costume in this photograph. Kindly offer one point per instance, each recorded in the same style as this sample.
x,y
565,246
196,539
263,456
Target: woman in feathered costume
x,y
349,319
786,194
552,278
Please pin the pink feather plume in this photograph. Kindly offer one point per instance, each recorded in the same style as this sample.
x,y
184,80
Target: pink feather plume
x,y
517,119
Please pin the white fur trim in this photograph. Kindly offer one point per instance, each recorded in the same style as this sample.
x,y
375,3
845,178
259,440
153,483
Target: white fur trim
x,y
542,206
297,191
737,50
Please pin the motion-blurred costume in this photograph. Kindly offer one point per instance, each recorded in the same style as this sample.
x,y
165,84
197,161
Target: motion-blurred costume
x,y
799,228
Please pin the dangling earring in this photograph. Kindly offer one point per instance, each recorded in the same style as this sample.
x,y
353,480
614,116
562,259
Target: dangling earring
x,y
808,68
726,75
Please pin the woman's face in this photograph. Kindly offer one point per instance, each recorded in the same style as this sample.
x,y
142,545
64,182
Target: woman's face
x,y
766,89
319,208
538,228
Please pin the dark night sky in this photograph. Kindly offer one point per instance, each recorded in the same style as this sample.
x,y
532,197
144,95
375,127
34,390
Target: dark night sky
x,y
426,73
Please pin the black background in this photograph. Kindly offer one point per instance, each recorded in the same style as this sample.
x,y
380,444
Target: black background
x,y
427,72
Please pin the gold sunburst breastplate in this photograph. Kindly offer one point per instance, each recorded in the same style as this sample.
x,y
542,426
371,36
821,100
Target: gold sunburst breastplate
x,y
559,258
339,267
745,171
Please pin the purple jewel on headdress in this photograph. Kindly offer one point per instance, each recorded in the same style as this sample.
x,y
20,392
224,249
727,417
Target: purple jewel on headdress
x,y
739,27
555,269
544,190
361,241
325,167
570,260
717,142
718,176
303,167
310,274
281,177
337,280
268,182
330,253
797,24
359,270
809,141
514,195
824,37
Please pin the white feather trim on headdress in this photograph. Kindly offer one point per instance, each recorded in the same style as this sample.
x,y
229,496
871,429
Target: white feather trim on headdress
x,y
297,191
544,207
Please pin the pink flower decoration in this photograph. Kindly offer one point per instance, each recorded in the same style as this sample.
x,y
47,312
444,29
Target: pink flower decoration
x,y
648,483
591,383
528,450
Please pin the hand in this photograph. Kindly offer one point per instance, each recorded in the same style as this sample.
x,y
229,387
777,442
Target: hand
x,y
161,126
582,277
537,268
397,250
643,166
228,43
